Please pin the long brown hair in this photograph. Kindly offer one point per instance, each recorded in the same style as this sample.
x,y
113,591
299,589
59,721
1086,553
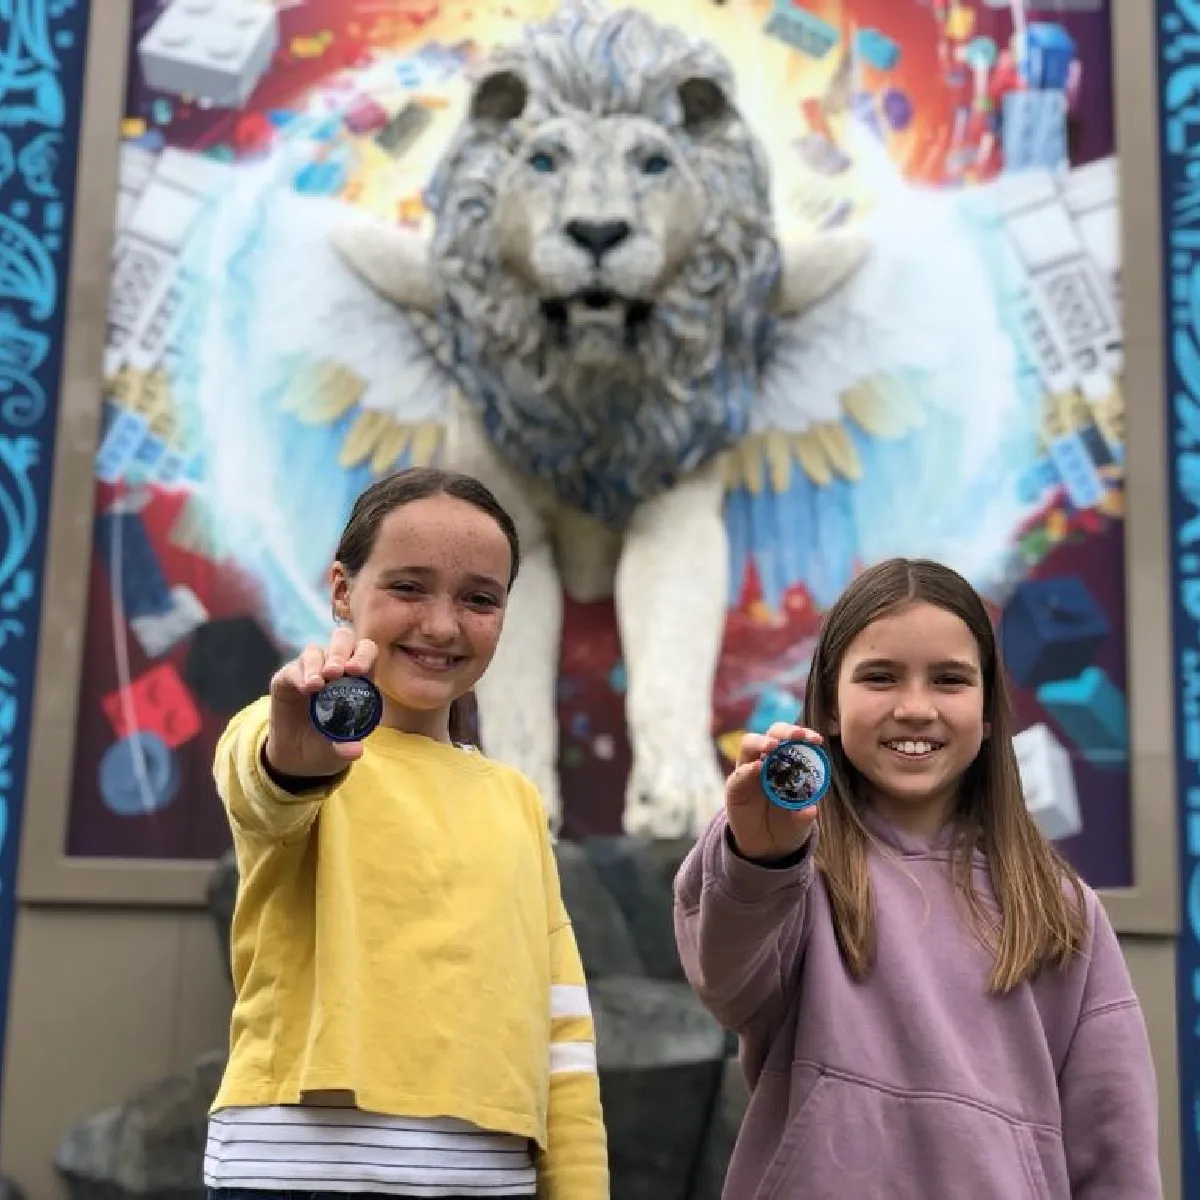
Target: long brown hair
x,y
1041,918
406,487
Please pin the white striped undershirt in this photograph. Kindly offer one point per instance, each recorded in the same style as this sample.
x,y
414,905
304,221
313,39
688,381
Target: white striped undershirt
x,y
281,1147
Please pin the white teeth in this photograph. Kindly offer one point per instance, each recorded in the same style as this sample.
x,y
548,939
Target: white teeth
x,y
912,748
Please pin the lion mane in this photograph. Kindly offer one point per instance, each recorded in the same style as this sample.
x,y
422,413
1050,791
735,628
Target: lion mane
x,y
607,438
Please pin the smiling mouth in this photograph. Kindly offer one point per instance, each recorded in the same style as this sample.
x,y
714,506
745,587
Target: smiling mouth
x,y
914,747
432,661
597,308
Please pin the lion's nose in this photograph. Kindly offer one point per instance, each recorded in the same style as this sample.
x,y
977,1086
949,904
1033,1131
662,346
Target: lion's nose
x,y
598,237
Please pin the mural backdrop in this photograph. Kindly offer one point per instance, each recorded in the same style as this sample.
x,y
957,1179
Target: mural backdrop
x,y
190,613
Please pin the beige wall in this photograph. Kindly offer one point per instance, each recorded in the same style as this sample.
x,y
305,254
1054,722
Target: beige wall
x,y
117,980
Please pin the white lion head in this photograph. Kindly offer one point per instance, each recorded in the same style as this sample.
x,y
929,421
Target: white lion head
x,y
605,270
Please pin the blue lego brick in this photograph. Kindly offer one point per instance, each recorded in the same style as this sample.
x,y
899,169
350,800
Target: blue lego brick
x,y
1034,131
773,705
139,775
1092,713
1036,481
1085,488
325,178
801,30
1051,629
123,437
133,568
876,49
1046,54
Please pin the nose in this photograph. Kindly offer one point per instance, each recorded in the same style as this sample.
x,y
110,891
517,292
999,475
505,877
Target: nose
x,y
440,623
916,705
598,237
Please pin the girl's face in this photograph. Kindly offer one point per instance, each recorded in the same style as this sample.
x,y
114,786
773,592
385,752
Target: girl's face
x,y
432,597
909,712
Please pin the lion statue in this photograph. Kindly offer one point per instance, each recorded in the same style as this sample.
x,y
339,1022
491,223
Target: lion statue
x,y
603,311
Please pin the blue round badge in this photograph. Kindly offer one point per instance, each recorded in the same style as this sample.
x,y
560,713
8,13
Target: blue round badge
x,y
346,709
139,775
796,775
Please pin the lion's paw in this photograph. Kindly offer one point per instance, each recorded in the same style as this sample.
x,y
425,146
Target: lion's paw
x,y
675,796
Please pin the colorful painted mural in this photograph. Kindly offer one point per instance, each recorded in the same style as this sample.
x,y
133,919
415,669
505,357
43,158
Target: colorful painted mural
x,y
192,604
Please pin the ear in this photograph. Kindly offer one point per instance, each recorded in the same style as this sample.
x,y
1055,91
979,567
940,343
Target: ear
x,y
706,107
817,267
392,259
339,587
499,96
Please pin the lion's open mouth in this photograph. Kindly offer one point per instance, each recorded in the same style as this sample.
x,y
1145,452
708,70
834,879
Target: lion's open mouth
x,y
596,308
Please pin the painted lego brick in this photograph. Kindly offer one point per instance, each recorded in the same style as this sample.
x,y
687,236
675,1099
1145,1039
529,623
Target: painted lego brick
x,y
158,633
139,775
1034,131
773,705
1092,713
876,49
138,584
1036,481
216,50
1070,456
122,439
1051,629
802,30
1045,53
230,663
1048,782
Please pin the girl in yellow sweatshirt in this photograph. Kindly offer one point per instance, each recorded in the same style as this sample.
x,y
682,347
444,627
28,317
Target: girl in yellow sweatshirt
x,y
411,1016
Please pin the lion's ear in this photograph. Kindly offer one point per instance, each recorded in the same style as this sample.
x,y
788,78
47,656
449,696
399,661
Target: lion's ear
x,y
706,107
393,260
500,96
816,267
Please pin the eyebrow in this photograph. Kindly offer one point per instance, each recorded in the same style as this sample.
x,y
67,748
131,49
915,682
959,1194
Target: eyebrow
x,y
428,573
945,664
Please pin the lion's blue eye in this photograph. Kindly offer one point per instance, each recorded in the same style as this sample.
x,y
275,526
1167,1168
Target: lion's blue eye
x,y
541,162
656,164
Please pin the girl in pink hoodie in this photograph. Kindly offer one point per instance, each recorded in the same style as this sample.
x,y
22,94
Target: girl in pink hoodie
x,y
930,1003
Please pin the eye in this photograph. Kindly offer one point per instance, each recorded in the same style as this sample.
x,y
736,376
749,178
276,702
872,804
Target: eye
x,y
483,600
541,162
404,587
655,164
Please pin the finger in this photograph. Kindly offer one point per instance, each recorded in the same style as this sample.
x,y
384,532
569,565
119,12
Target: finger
x,y
312,663
348,751
743,786
754,746
288,679
341,648
783,732
363,658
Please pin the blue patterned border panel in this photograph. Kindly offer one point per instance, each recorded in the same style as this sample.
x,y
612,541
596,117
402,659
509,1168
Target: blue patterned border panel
x,y
1179,131
43,46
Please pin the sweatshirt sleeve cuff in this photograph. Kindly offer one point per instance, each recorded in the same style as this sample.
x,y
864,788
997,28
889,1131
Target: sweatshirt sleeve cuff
x,y
748,882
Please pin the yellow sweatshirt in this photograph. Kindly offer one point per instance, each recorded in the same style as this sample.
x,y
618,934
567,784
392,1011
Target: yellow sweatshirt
x,y
400,935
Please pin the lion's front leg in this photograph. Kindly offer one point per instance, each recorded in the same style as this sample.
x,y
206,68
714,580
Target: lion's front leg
x,y
517,696
671,600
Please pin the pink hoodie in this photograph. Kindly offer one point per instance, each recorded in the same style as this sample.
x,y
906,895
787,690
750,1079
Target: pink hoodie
x,y
915,1084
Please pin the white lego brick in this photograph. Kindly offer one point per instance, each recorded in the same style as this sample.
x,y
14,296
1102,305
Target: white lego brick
x,y
1048,782
141,274
1094,185
126,203
192,172
1100,232
215,50
157,634
1017,191
164,215
1044,235
135,165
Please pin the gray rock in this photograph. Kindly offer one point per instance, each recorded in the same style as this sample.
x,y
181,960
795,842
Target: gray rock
x,y
661,1063
149,1148
722,1133
605,942
222,895
633,879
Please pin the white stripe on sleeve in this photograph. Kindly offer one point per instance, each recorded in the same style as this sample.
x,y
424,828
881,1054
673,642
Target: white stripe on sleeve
x,y
572,1058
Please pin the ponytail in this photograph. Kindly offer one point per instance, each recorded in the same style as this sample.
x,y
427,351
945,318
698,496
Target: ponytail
x,y
462,720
